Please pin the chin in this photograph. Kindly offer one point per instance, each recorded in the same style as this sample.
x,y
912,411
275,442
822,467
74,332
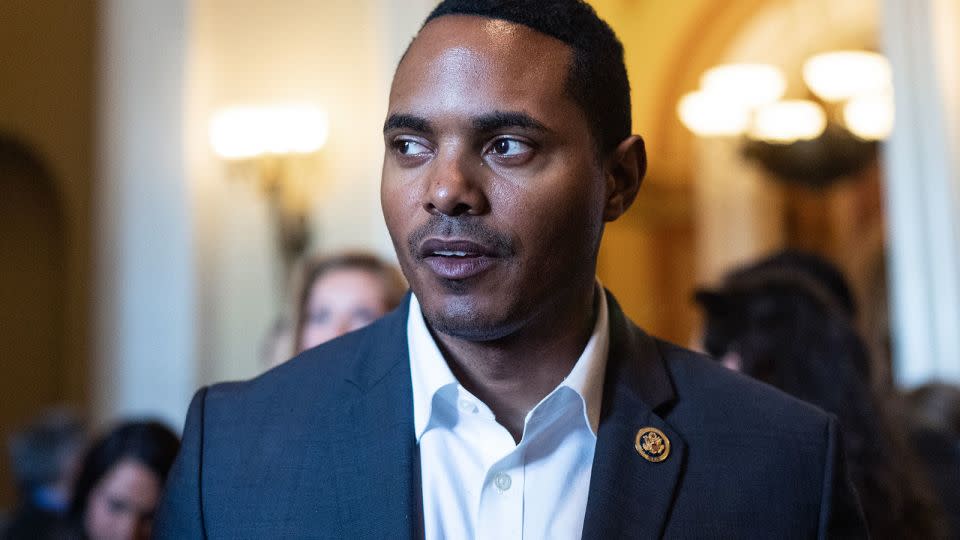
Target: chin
x,y
464,319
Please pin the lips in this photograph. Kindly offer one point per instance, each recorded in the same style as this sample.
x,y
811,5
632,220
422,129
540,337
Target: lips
x,y
457,259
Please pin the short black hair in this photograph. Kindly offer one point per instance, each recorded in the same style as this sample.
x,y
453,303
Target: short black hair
x,y
822,271
597,80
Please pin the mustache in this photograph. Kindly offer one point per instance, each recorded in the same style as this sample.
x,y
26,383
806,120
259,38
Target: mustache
x,y
463,228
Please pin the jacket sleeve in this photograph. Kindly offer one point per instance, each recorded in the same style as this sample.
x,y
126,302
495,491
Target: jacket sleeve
x,y
180,513
840,513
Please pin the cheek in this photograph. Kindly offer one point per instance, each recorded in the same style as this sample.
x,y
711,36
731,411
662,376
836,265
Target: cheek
x,y
99,521
559,215
316,333
402,213
398,196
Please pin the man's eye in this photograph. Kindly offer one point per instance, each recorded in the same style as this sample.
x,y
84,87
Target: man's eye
x,y
509,147
406,147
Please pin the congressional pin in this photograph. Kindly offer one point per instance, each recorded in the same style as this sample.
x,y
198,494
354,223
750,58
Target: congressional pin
x,y
652,444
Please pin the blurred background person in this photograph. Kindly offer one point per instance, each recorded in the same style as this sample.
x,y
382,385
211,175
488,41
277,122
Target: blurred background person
x,y
934,412
341,293
785,325
937,405
120,482
44,457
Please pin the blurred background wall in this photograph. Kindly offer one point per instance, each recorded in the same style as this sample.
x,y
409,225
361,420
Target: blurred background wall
x,y
138,264
48,66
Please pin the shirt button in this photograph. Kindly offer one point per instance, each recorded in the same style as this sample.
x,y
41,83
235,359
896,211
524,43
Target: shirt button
x,y
502,481
467,406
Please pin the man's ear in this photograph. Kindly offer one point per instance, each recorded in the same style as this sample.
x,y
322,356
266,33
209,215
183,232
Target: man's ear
x,y
625,169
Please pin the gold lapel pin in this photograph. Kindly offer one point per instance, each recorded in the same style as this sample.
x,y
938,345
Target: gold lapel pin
x,y
652,444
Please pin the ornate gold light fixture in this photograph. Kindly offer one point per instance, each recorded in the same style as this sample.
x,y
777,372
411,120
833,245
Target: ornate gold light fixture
x,y
747,99
270,143
848,107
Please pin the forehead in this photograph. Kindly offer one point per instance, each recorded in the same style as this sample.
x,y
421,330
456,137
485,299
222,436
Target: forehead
x,y
128,476
344,274
458,63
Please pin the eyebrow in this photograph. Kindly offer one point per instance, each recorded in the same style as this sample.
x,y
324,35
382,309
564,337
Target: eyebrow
x,y
407,121
505,119
485,123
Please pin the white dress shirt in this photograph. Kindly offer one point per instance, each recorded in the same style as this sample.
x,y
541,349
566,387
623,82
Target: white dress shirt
x,y
476,481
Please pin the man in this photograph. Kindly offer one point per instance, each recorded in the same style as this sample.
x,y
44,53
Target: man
x,y
508,396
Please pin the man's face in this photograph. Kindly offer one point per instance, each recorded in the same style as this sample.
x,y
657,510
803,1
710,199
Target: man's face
x,y
492,190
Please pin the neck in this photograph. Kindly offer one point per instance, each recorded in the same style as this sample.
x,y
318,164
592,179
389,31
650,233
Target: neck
x,y
512,374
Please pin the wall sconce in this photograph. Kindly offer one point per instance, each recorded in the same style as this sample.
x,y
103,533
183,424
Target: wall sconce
x,y
809,141
271,144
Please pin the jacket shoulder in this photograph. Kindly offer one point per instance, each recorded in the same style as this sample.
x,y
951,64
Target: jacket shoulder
x,y
318,376
292,429
768,446
715,397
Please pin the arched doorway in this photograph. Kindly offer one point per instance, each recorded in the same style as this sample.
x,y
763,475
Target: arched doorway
x,y
32,294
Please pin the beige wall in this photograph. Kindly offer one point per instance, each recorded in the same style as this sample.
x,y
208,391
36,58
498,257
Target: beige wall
x,y
146,305
47,69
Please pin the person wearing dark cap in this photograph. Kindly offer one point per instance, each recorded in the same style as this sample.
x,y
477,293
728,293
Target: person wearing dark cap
x,y
508,396
784,272
787,321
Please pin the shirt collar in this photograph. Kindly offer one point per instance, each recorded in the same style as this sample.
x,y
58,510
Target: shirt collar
x,y
430,373
586,377
428,369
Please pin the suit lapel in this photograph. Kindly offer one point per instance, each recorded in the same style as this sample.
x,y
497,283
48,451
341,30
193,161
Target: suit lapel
x,y
375,456
631,497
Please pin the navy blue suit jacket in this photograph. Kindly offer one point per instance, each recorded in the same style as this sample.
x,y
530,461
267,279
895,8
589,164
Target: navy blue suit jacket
x,y
323,447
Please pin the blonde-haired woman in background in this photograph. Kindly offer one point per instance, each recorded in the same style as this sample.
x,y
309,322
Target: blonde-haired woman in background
x,y
339,294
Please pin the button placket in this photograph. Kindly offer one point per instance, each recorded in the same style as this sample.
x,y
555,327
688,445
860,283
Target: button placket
x,y
501,505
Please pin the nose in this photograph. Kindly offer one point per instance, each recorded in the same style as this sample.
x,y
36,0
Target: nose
x,y
457,186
